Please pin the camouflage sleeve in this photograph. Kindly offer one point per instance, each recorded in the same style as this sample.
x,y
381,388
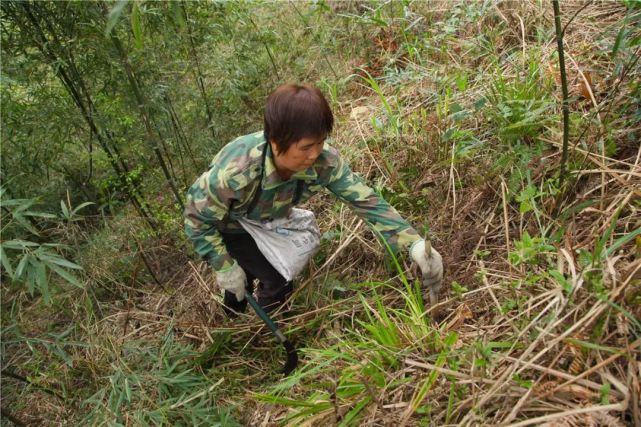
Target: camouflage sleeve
x,y
382,217
208,202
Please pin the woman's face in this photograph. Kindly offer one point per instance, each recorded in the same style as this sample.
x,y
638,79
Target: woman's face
x,y
300,155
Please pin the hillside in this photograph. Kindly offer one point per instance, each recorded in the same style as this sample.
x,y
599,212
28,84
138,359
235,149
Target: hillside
x,y
451,110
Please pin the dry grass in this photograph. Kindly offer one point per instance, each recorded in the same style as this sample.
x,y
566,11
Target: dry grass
x,y
555,352
569,344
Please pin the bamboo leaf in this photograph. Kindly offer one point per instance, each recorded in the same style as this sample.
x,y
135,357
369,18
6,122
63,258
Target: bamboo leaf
x,y
22,265
41,279
25,223
114,16
449,341
598,250
65,211
591,345
127,390
66,275
177,13
621,241
6,264
31,280
289,402
358,408
23,204
62,354
80,206
60,261
618,41
14,202
136,26
38,214
376,88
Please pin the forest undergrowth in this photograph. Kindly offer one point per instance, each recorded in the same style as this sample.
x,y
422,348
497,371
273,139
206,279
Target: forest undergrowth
x,y
451,110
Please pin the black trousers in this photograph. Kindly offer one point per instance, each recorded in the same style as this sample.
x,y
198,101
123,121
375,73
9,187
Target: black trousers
x,y
273,289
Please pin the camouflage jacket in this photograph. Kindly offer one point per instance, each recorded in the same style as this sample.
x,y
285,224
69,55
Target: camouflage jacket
x,y
226,192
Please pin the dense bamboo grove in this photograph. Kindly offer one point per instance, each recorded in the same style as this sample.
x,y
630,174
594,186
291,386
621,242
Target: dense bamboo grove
x,y
458,113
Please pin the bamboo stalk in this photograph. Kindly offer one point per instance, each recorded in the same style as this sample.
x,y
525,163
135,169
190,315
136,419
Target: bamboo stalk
x,y
154,141
199,74
564,89
82,98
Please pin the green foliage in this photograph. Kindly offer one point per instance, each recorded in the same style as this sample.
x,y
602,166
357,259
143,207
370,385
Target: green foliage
x,y
627,39
448,343
136,26
458,289
525,383
460,111
520,108
206,359
368,355
58,346
383,329
156,386
529,249
69,213
110,255
516,164
114,15
559,278
379,92
31,263
527,198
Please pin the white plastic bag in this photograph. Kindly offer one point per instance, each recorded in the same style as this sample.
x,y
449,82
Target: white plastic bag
x,y
287,243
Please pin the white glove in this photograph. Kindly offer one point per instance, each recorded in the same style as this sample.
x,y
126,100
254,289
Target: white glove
x,y
233,279
431,265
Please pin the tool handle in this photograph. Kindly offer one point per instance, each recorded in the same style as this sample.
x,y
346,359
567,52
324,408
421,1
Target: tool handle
x,y
292,355
265,318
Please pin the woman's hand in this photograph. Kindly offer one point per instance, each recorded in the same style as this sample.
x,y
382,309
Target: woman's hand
x,y
234,280
431,265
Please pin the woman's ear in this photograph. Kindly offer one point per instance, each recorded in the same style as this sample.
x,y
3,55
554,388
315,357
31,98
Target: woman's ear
x,y
274,147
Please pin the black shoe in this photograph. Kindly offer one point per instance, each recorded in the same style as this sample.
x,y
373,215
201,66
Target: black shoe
x,y
272,302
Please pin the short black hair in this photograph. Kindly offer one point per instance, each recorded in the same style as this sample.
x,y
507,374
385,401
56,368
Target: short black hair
x,y
294,112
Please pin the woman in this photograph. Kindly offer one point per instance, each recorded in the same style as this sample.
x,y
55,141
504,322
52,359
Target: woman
x,y
261,176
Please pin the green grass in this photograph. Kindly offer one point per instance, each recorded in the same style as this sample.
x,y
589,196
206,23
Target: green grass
x,y
456,110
